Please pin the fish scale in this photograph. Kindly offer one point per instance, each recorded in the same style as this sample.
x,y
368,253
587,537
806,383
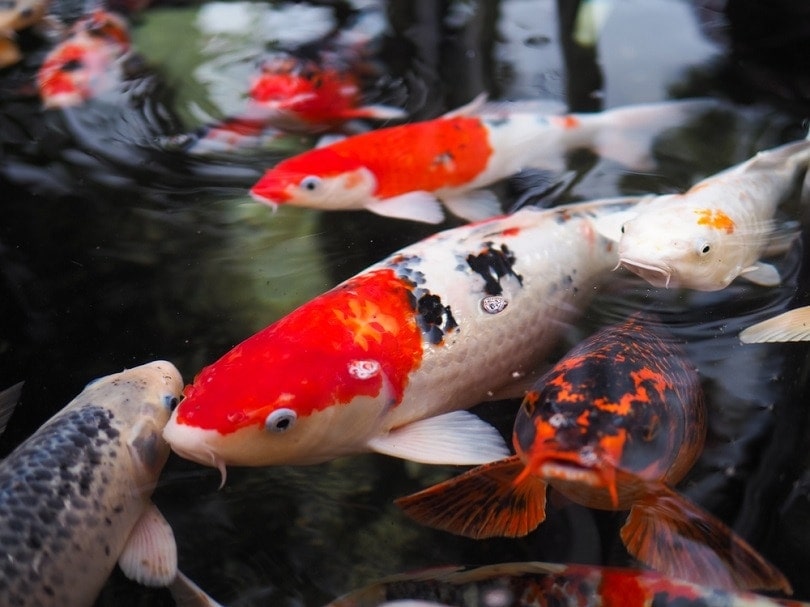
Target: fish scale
x,y
71,494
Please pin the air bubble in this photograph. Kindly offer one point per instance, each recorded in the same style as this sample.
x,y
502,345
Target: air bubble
x,y
493,304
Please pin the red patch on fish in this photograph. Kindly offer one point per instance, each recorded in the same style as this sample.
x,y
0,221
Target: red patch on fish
x,y
428,156
716,219
358,339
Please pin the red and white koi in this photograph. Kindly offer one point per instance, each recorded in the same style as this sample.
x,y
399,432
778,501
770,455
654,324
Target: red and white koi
x,y
405,171
387,360
87,63
543,584
718,230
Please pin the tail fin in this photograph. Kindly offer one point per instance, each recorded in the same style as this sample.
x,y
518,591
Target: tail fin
x,y
482,502
628,133
672,535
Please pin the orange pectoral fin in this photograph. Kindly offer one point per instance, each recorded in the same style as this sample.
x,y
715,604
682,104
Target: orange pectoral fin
x,y
676,537
482,502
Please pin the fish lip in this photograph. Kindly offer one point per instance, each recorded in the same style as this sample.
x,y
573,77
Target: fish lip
x,y
657,275
202,454
571,471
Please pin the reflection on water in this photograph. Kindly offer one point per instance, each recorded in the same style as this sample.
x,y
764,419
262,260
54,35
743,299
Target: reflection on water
x,y
114,251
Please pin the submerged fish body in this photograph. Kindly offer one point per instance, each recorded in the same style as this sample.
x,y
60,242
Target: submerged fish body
x,y
300,95
405,171
384,361
563,585
616,423
16,15
74,497
87,63
717,230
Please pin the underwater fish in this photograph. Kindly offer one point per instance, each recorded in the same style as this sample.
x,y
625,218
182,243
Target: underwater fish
x,y
75,496
534,584
300,95
613,425
87,63
387,360
406,171
793,325
717,230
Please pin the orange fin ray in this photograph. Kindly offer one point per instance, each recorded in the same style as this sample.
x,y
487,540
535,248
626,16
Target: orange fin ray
x,y
678,538
483,502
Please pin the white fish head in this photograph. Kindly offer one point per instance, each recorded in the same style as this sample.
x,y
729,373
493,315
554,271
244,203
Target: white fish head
x,y
141,401
672,247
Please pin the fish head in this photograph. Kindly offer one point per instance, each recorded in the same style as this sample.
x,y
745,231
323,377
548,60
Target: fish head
x,y
682,247
625,401
320,178
310,387
141,401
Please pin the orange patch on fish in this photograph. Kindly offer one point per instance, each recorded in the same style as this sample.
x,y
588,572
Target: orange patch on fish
x,y
716,219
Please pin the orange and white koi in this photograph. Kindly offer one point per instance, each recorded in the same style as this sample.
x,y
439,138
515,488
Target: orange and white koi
x,y
387,360
294,95
615,423
405,171
87,63
718,230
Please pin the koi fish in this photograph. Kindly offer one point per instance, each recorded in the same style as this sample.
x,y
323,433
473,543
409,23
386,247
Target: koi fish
x,y
300,95
75,496
793,325
406,171
87,63
534,583
386,360
717,230
617,422
563,585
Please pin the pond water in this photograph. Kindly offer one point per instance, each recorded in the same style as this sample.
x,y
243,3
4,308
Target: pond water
x,y
115,250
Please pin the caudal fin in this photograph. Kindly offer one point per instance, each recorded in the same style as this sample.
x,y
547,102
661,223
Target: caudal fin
x,y
678,538
482,502
626,134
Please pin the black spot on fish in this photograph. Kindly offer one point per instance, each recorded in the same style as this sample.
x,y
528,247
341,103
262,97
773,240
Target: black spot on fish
x,y
404,266
493,264
433,318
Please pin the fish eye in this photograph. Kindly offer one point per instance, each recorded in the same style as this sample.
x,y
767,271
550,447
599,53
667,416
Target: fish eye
x,y
280,420
705,248
622,228
170,402
310,183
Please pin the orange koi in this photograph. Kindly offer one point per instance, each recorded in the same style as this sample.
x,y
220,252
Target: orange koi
x,y
406,171
635,431
387,360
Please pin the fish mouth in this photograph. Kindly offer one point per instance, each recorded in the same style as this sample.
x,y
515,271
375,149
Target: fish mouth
x,y
178,436
656,275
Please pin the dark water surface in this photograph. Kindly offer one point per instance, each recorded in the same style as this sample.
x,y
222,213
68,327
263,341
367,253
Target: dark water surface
x,y
115,251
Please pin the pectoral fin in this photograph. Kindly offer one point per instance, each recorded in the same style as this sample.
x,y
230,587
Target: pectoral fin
x,y
676,537
793,325
475,205
763,274
8,402
482,502
416,206
187,594
150,554
458,438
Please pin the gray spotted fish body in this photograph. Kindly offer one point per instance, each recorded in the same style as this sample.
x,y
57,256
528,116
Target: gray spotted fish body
x,y
72,493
